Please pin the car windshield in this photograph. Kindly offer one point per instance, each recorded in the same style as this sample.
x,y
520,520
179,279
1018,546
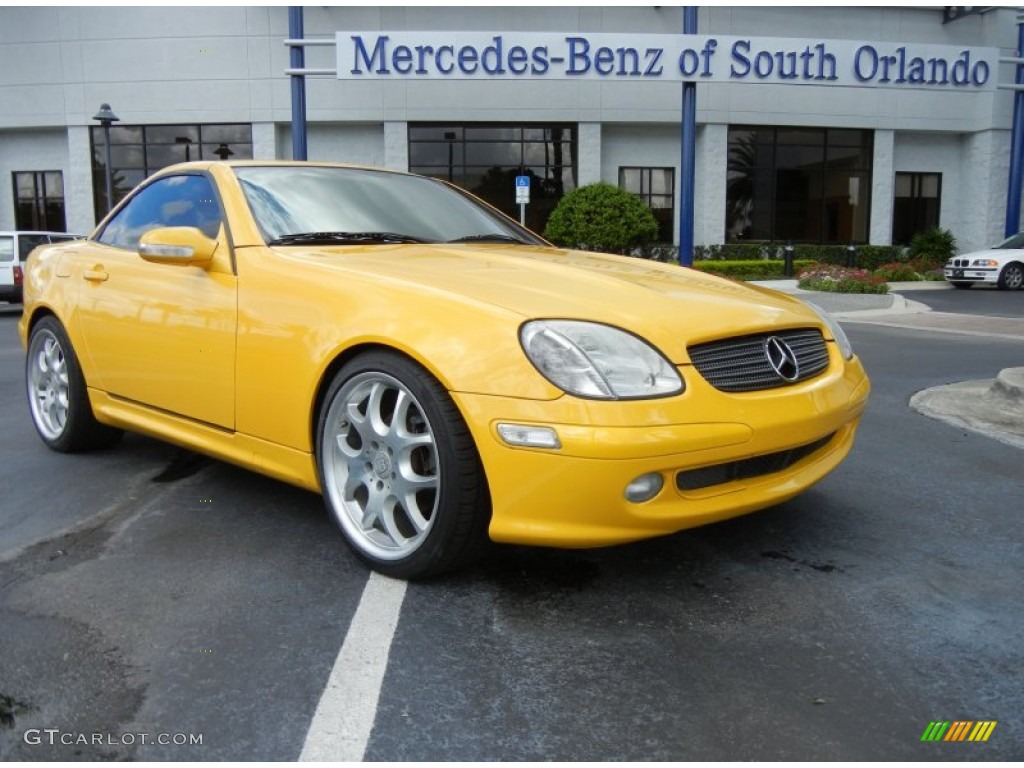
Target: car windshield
x,y
1017,241
295,205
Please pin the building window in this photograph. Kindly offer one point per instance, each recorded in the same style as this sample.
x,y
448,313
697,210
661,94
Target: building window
x,y
136,151
485,159
810,185
39,200
916,207
657,188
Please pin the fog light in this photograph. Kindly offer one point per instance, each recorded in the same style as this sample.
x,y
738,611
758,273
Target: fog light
x,y
529,436
644,488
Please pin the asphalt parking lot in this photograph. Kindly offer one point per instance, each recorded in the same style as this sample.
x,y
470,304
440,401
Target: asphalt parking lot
x,y
144,591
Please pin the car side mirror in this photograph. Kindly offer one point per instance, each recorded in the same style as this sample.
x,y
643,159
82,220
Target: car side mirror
x,y
186,246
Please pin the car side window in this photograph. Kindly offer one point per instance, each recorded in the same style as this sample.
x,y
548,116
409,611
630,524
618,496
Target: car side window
x,y
6,249
174,201
26,244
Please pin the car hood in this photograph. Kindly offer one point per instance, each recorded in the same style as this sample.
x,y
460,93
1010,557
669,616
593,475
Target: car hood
x,y
669,305
999,254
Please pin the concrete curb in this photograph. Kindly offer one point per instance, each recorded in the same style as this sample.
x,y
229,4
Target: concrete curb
x,y
991,407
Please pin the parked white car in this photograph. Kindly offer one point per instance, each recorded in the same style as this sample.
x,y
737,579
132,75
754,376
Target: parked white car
x,y
14,249
1001,265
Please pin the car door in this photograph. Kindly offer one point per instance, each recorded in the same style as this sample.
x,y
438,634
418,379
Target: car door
x,y
162,335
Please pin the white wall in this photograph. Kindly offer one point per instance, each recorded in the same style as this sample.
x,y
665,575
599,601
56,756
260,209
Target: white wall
x,y
646,146
219,64
226,64
941,153
28,151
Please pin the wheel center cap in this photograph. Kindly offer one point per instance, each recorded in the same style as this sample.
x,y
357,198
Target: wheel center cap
x,y
382,465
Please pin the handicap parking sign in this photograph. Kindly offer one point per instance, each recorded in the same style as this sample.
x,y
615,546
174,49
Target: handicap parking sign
x,y
522,189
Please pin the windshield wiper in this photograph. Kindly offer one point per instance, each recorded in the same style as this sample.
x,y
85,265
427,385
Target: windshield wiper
x,y
494,237
345,238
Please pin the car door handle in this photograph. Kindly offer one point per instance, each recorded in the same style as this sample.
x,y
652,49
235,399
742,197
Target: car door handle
x,y
97,274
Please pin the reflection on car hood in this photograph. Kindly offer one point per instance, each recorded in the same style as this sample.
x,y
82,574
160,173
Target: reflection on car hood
x,y
663,302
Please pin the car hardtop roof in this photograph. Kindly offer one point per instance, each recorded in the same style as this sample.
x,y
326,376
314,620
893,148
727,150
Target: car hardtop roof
x,y
207,164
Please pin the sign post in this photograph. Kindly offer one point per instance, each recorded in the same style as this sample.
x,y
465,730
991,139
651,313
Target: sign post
x,y
522,196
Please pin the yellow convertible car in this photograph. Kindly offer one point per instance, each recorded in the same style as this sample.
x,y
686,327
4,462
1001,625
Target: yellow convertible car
x,y
440,374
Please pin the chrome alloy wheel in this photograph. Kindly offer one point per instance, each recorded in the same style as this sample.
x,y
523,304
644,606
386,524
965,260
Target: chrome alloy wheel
x,y
48,384
1012,277
380,466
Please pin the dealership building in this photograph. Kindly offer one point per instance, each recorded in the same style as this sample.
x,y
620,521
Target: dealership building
x,y
829,125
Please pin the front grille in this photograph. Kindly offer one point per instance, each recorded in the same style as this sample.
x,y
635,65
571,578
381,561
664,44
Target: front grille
x,y
742,364
744,469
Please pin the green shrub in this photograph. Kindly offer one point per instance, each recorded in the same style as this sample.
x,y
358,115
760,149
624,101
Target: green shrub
x,y
936,245
750,269
664,252
733,252
835,279
874,256
897,272
601,217
865,256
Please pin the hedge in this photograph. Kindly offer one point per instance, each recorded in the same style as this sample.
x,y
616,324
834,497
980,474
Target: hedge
x,y
865,256
751,269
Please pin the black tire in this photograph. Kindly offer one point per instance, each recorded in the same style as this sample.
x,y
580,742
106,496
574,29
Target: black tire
x,y
57,396
960,284
399,470
1012,277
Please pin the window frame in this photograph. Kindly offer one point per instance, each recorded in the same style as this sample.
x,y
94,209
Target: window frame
x,y
647,194
815,157
135,138
918,202
41,201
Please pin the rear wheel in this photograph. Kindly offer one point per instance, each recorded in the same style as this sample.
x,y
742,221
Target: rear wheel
x,y
399,469
1012,277
57,397
960,284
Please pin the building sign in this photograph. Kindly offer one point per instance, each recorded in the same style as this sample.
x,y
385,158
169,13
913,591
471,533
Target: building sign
x,y
437,55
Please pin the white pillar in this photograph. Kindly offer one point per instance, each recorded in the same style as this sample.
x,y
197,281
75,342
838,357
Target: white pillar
x,y
712,161
588,153
883,188
396,145
264,141
78,202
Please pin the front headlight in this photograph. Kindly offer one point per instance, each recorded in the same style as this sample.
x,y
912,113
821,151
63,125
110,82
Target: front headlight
x,y
598,361
836,329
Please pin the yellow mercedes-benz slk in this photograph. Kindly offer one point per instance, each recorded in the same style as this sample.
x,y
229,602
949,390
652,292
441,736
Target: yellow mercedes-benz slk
x,y
440,374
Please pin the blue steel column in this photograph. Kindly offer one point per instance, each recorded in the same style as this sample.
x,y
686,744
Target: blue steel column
x,y
1013,196
688,164
298,61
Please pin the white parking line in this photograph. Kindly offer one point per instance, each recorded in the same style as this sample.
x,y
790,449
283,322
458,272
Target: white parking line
x,y
344,717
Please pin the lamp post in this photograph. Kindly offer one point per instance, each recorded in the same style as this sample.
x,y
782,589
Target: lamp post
x,y
188,146
449,136
106,116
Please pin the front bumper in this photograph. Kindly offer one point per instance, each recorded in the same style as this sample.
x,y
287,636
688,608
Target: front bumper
x,y
971,274
574,496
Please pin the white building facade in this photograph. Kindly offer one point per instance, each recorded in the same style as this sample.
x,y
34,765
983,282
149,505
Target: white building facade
x,y
814,124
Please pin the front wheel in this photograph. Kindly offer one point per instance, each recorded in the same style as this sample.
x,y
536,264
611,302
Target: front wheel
x,y
57,396
1012,277
399,469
